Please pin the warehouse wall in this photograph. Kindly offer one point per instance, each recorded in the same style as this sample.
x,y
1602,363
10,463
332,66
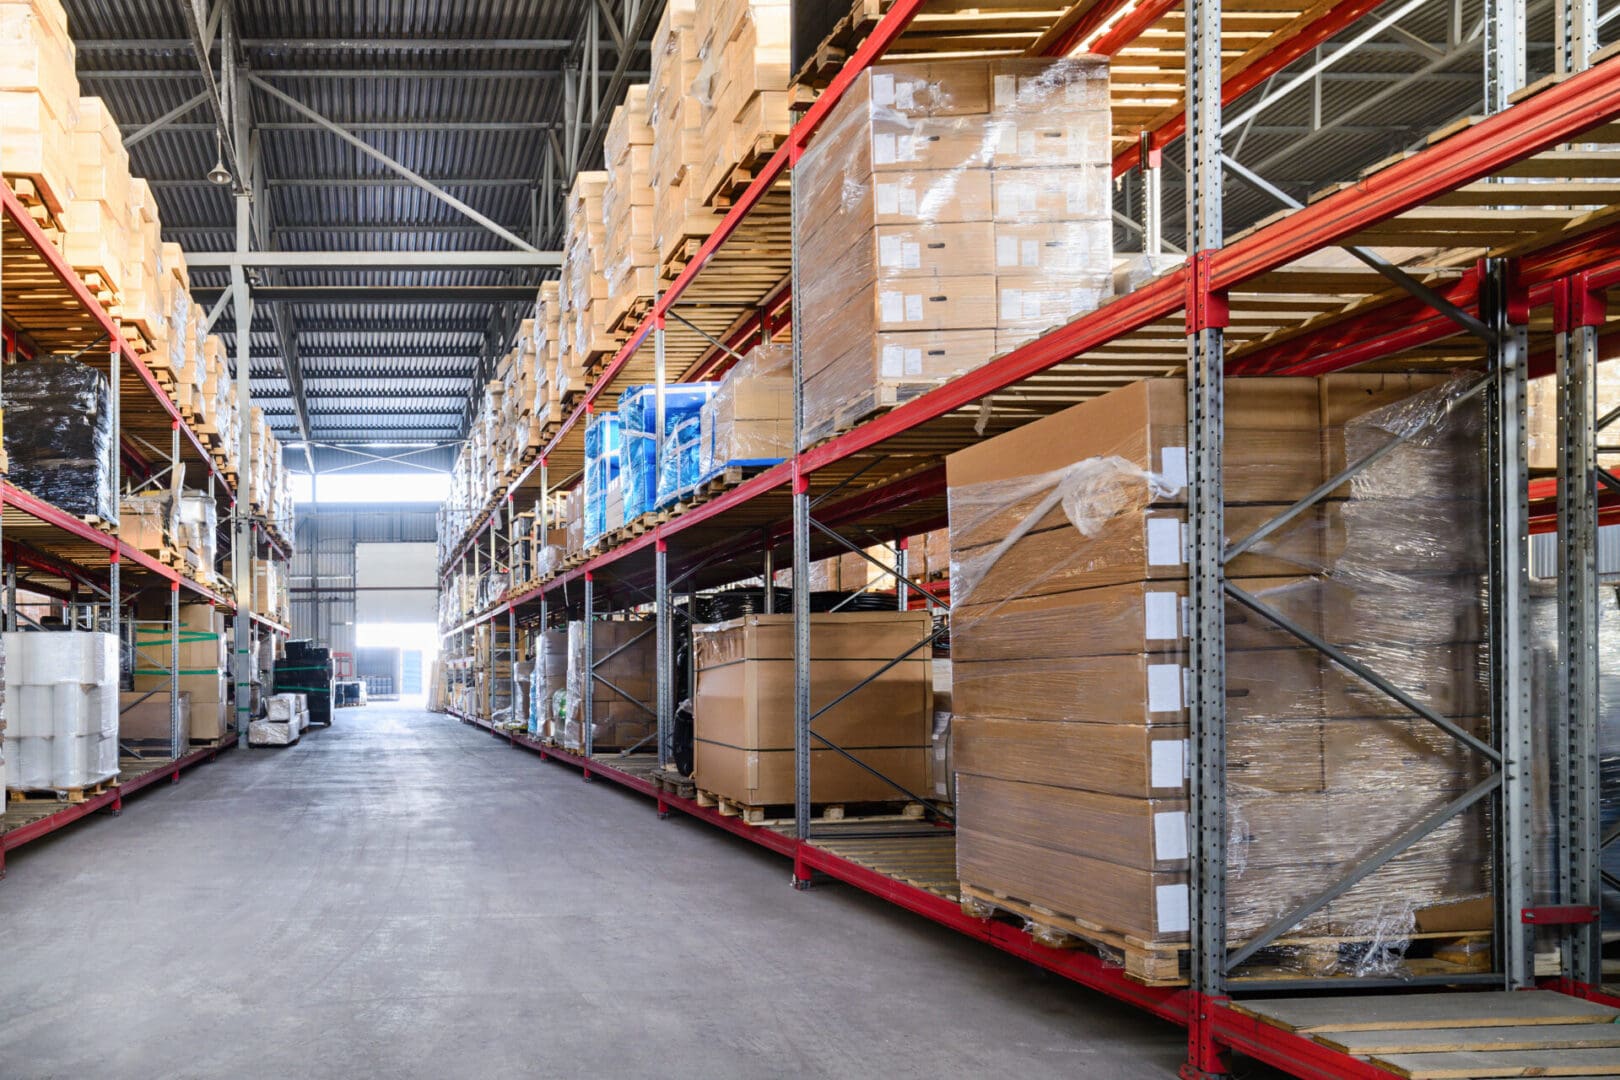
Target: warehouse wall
x,y
321,581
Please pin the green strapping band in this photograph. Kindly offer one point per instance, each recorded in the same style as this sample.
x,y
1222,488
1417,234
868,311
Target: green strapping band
x,y
303,690
317,667
182,671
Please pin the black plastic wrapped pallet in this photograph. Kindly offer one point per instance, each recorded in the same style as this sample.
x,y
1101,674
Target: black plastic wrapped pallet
x,y
307,669
58,431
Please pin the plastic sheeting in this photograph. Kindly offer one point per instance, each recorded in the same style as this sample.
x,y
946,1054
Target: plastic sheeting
x,y
61,709
58,435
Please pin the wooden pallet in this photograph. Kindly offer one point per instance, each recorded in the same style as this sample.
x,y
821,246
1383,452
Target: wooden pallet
x,y
734,179
61,795
718,484
1457,1034
673,783
776,814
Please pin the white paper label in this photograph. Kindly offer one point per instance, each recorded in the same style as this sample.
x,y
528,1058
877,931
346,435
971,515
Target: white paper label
x,y
1012,303
1163,541
890,250
914,361
1006,90
1026,144
1170,835
1032,303
911,256
905,96
892,364
883,148
1077,195
1006,251
905,148
1160,611
1167,757
1171,911
888,198
908,202
1164,687
1173,465
914,310
1029,253
882,89
892,306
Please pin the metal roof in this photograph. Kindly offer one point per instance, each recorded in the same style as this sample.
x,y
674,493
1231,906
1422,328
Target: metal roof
x,y
467,93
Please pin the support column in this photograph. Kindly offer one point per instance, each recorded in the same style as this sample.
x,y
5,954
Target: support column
x,y
1578,314
115,473
511,616
1504,52
243,552
664,637
177,739
801,564
587,740
1205,524
1506,315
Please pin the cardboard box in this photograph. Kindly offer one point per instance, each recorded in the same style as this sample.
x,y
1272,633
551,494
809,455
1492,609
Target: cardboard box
x,y
147,717
743,711
1117,759
1148,834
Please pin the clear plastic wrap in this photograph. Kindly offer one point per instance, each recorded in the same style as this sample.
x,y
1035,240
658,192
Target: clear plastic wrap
x,y
950,211
149,521
638,409
625,656
198,535
749,420
1069,661
741,83
273,732
61,709
604,435
58,435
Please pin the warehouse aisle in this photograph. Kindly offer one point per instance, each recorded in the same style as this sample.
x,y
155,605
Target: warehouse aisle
x,y
403,895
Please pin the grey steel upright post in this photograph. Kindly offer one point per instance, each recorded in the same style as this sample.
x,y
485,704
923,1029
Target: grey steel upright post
x,y
1509,644
587,721
1206,607
1581,868
243,549
664,636
177,739
801,568
511,615
115,596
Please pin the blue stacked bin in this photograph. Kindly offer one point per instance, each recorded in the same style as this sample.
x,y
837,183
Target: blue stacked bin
x,y
638,406
604,439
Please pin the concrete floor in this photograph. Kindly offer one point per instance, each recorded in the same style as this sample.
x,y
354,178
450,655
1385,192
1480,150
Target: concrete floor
x,y
406,896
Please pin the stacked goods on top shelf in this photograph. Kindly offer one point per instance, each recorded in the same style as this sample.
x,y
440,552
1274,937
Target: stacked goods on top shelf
x,y
97,220
60,710
741,88
39,97
948,212
551,380
58,436
680,209
1069,649
1542,415
627,212
585,336
271,488
743,711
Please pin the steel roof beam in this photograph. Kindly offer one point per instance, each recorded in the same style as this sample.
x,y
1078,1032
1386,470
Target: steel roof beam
x,y
389,294
359,125
166,121
375,260
525,74
353,182
446,44
384,159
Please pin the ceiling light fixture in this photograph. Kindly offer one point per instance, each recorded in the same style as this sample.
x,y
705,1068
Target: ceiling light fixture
x,y
219,174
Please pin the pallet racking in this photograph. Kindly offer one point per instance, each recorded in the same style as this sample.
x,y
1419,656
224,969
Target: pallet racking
x,y
48,310
1514,283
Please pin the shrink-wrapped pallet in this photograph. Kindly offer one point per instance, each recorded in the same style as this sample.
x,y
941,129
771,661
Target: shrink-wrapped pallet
x,y
604,436
948,212
638,409
631,265
741,86
680,210
58,435
61,709
625,656
749,421
1070,651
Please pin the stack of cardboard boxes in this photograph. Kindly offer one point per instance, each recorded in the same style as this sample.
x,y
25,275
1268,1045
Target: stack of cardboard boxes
x,y
743,712
627,211
625,655
948,212
584,282
1069,642
741,85
39,97
202,681
749,420
680,210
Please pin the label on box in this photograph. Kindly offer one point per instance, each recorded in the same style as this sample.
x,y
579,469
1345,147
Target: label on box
x,y
884,149
1006,90
892,307
1164,688
897,253
1171,909
882,89
914,308
1161,616
1167,763
892,361
896,199
1163,541
1170,835
1173,466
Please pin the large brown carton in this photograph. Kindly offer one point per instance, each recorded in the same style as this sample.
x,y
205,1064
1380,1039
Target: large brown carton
x,y
1149,834
146,716
743,711
1115,759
